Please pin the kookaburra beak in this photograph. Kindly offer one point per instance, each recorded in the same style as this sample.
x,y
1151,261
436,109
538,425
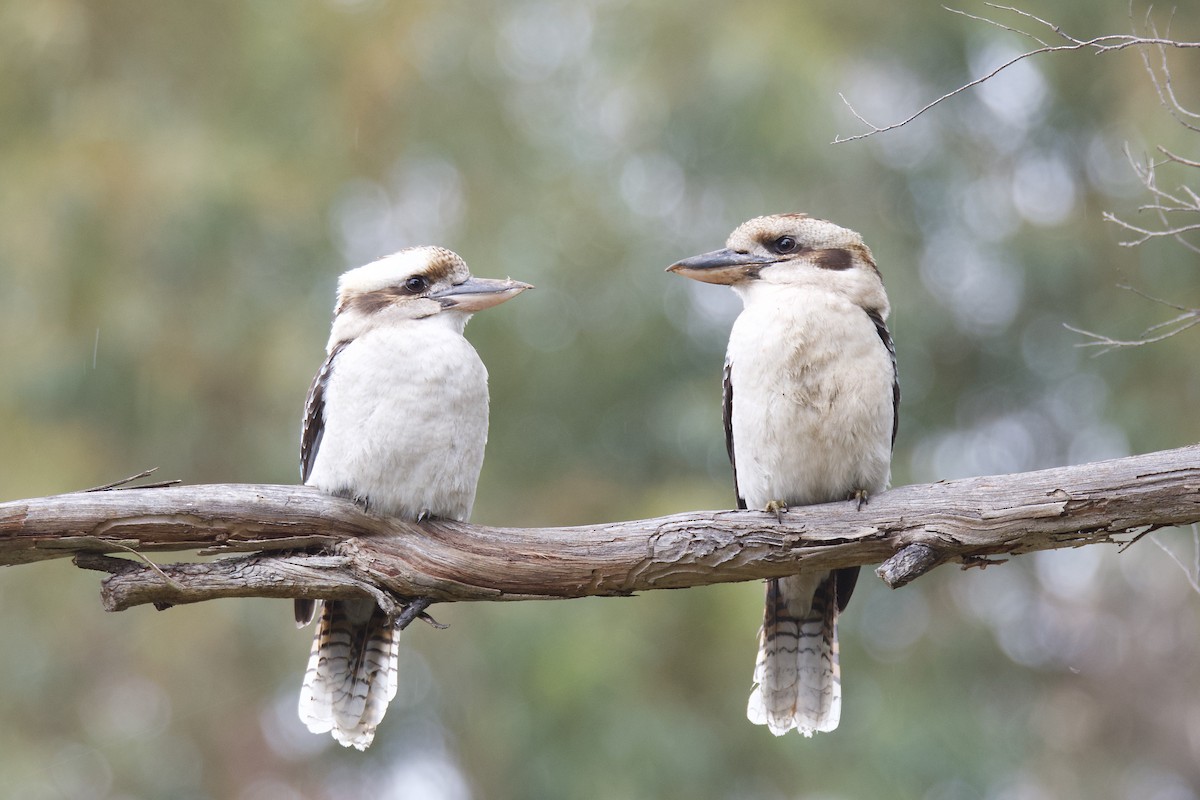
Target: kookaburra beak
x,y
721,266
476,294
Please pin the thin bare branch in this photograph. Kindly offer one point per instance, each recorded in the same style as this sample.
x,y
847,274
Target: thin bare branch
x,y
1186,201
122,484
1179,160
1164,204
1179,320
1099,45
1160,301
874,129
1192,573
1023,13
1146,234
1186,319
1107,344
1002,26
1164,85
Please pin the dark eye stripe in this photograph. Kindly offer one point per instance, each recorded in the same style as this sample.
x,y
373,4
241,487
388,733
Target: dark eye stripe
x,y
367,302
835,258
371,302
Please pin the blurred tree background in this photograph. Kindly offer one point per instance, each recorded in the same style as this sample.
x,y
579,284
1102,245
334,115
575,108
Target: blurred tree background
x,y
181,184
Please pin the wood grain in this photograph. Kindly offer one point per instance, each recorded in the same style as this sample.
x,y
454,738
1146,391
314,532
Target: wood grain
x,y
307,544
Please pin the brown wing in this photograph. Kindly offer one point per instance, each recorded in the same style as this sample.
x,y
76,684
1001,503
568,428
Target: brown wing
x,y
845,579
886,337
314,414
727,418
310,443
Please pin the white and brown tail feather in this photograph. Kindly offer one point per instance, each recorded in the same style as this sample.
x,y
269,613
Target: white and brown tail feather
x,y
351,674
797,677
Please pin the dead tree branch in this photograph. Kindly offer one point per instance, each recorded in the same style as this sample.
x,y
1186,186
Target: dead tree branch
x,y
1163,205
307,544
1098,45
1166,205
1187,318
1192,571
1161,78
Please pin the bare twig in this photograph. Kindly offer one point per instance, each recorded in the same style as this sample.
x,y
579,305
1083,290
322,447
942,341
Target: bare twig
x,y
1165,205
1186,163
1098,45
1142,534
1193,572
1107,344
1164,86
1186,201
1188,318
1146,234
121,484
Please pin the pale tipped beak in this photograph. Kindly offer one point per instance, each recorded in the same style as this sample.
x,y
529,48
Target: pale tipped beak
x,y
721,266
476,294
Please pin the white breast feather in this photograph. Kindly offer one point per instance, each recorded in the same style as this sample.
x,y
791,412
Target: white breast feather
x,y
406,422
812,414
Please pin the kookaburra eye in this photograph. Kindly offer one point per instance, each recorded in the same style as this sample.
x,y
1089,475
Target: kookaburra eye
x,y
416,284
785,244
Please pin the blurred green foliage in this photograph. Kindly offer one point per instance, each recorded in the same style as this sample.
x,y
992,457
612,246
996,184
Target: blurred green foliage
x,y
180,185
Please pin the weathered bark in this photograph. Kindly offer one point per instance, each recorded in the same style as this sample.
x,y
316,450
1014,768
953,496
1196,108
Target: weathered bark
x,y
306,544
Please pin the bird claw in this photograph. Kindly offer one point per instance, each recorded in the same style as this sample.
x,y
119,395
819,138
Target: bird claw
x,y
778,508
359,500
862,496
414,610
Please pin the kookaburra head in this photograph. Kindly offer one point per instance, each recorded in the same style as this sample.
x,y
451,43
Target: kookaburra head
x,y
792,250
414,284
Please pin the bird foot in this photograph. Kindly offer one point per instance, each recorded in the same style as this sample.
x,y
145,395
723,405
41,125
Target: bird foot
x,y
778,508
862,496
359,500
415,609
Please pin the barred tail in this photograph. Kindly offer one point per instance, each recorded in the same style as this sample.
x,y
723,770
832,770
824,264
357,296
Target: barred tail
x,y
797,677
351,674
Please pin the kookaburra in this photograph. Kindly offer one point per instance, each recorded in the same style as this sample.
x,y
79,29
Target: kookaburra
x,y
810,417
396,420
